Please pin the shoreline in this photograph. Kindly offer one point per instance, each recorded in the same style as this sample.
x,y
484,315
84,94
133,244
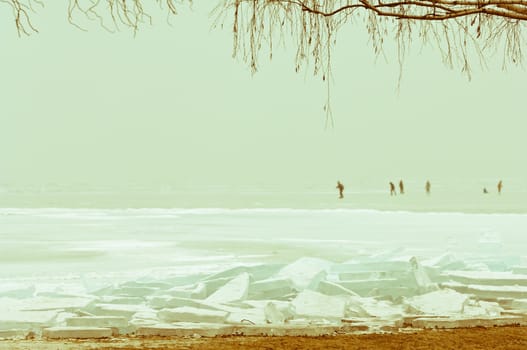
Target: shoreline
x,y
496,338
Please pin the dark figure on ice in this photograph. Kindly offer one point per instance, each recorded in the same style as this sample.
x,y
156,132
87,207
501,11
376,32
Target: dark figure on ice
x,y
485,190
500,186
428,186
392,189
401,187
340,186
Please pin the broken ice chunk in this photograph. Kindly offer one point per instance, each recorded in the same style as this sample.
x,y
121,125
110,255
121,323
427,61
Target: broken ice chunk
x,y
305,272
235,290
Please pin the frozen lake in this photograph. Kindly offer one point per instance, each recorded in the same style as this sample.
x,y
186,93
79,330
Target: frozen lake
x,y
81,244
164,267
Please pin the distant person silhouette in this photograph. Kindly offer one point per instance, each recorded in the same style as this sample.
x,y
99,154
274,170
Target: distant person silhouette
x,y
485,190
340,186
401,187
392,189
500,186
428,186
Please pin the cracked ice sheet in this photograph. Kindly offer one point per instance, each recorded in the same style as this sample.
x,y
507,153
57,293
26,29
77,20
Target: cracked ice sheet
x,y
84,247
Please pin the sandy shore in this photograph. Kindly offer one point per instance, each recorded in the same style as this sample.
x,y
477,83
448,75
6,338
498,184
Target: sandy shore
x,y
496,338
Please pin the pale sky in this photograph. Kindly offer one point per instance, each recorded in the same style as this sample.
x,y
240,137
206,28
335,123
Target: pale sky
x,y
171,106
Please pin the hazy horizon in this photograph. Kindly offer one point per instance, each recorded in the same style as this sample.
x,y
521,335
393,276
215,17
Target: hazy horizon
x,y
171,107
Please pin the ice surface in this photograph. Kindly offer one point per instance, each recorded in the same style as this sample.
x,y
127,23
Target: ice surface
x,y
17,290
283,267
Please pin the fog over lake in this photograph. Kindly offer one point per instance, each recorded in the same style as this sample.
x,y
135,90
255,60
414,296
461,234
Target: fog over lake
x,y
170,109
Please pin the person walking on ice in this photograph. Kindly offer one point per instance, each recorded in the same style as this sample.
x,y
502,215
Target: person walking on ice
x,y
392,189
401,187
500,186
428,186
340,187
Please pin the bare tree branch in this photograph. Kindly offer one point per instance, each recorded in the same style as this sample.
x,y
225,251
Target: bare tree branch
x,y
461,30
109,13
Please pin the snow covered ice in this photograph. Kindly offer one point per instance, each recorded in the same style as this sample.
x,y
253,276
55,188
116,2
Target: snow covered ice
x,y
164,271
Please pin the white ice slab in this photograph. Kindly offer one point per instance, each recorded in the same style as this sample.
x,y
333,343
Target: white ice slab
x,y
305,272
482,308
129,291
381,309
316,305
122,310
192,314
14,333
273,315
156,285
285,307
44,303
246,316
422,280
234,290
15,319
464,322
193,291
487,278
185,329
441,302
121,300
372,287
212,286
489,292
76,332
270,288
169,302
258,272
445,261
519,304
97,321
400,264
331,288
519,269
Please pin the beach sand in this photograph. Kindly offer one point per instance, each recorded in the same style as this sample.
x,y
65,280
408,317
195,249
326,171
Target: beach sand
x,y
496,338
